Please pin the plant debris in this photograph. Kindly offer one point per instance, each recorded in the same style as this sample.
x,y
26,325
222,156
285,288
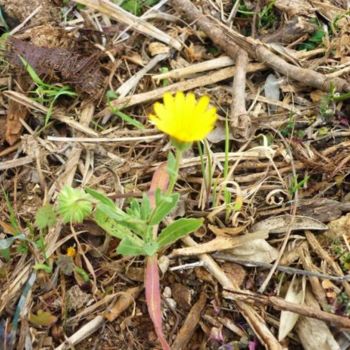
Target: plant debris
x,y
129,220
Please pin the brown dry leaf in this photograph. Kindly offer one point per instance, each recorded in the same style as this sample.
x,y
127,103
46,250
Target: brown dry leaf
x,y
235,272
294,7
15,112
2,129
195,52
124,301
7,228
204,276
220,243
50,36
281,224
136,58
182,295
295,294
76,298
157,48
258,250
328,10
42,318
223,231
315,334
135,273
316,95
339,227
330,289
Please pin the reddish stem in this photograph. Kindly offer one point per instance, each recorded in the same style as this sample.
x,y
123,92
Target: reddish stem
x,y
152,286
153,298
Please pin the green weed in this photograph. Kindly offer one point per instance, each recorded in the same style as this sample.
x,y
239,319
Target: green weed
x,y
46,94
267,16
111,95
136,7
297,185
315,39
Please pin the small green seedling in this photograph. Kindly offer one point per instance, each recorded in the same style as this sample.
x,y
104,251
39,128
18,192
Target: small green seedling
x,y
165,82
46,94
267,15
111,95
298,185
136,7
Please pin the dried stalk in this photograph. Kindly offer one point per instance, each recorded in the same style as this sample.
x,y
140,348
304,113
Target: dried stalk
x,y
239,119
230,41
252,317
186,332
281,304
114,11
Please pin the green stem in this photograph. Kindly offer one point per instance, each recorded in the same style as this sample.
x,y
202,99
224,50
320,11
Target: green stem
x,y
172,181
342,97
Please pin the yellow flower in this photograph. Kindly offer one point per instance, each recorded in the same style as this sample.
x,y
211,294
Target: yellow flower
x,y
71,252
183,118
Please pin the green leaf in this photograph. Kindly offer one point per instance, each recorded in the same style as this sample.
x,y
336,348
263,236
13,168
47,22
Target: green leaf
x,y
45,217
42,318
100,197
126,117
123,218
165,203
34,76
151,248
83,274
45,267
130,247
145,207
74,205
178,229
132,6
110,225
134,208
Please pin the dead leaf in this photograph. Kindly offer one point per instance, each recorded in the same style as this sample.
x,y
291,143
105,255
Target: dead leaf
x,y
42,318
295,294
223,231
258,250
315,334
220,243
9,229
157,48
331,290
281,224
76,298
194,52
235,272
316,95
339,227
294,7
218,134
182,295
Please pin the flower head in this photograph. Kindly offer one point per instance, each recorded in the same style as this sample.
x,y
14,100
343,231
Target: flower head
x,y
71,251
183,117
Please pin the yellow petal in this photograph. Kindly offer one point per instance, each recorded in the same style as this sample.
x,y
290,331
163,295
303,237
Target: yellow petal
x,y
160,110
169,102
202,104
